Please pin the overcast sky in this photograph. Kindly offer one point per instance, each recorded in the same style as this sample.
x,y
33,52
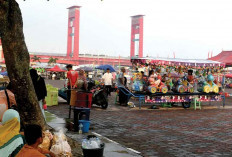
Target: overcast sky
x,y
190,28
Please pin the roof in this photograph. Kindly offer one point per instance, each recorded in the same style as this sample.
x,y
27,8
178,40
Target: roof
x,y
137,16
224,57
177,61
75,6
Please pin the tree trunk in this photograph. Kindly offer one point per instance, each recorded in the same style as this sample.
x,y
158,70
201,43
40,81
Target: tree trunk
x,y
17,62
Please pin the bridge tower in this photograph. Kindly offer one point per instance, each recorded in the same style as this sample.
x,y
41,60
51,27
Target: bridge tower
x,y
136,36
73,33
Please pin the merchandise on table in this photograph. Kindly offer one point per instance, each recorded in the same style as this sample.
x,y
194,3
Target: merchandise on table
x,y
179,76
178,80
182,98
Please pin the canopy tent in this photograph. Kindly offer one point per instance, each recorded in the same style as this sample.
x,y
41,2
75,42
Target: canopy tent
x,y
224,57
176,61
106,66
56,69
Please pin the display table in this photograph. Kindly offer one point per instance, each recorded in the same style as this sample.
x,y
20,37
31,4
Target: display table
x,y
184,98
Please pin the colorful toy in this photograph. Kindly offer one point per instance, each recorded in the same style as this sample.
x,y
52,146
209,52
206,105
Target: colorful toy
x,y
157,86
137,86
169,82
182,85
208,86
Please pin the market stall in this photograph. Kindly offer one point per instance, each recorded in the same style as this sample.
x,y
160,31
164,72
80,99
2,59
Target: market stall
x,y
56,72
186,81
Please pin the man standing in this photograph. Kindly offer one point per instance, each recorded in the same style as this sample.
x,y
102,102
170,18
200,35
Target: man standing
x,y
122,83
72,76
121,80
40,89
108,81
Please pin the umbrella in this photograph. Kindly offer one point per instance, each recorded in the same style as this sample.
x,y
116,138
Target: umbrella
x,y
104,67
86,69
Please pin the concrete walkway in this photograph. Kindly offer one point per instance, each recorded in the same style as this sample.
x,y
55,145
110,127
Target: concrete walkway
x,y
112,149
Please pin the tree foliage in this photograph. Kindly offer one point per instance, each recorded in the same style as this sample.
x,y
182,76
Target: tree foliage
x,y
52,60
35,58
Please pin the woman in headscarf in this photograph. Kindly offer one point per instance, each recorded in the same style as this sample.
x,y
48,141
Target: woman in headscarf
x,y
11,140
7,100
40,88
81,81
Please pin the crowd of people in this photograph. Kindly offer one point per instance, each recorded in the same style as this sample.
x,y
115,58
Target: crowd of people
x,y
23,144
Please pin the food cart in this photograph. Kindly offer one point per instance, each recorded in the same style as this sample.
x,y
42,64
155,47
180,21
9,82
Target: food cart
x,y
182,81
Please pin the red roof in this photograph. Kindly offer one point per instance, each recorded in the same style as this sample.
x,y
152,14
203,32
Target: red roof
x,y
56,69
224,57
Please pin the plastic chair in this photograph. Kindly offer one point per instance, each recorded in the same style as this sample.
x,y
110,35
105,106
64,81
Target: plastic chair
x,y
116,98
129,95
196,101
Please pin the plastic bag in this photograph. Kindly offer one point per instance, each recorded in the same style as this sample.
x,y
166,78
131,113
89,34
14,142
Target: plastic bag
x,y
60,146
91,143
131,104
46,140
59,137
61,149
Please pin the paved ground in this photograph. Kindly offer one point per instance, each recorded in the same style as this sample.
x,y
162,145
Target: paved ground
x,y
164,132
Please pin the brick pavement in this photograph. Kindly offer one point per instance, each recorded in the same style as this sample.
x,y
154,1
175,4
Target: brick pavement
x,y
170,132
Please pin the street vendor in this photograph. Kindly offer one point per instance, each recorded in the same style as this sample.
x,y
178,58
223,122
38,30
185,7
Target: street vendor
x,y
72,78
40,89
7,98
121,83
81,82
11,140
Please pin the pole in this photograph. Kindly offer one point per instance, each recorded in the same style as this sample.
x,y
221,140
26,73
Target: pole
x,y
119,62
223,86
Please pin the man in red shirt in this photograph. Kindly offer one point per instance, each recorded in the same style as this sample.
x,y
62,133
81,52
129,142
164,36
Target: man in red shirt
x,y
72,76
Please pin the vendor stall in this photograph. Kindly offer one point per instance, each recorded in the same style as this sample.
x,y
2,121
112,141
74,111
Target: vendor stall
x,y
178,80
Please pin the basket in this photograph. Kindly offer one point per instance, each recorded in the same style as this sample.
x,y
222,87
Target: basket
x,y
98,152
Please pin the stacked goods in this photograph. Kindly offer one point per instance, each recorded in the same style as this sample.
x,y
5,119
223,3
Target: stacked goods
x,y
46,140
52,95
177,77
56,143
60,146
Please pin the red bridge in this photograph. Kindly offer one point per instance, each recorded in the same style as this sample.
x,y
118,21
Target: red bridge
x,y
73,57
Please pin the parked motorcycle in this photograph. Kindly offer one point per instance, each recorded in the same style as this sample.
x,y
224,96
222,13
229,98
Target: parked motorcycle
x,y
99,94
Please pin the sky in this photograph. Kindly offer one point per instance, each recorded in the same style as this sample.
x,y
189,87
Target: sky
x,y
188,28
